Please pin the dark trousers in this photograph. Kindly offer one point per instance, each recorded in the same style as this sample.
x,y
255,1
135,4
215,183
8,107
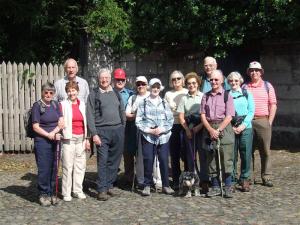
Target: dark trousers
x,y
45,159
190,152
176,151
243,146
149,151
109,156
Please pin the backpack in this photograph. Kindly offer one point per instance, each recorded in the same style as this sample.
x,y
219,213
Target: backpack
x,y
96,90
27,118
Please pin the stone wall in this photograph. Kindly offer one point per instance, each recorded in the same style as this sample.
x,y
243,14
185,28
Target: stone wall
x,y
281,62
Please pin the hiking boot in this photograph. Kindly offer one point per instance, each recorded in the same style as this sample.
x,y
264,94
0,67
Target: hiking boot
x,y
245,186
168,190
102,196
45,200
267,182
79,195
204,187
214,191
228,192
112,192
146,191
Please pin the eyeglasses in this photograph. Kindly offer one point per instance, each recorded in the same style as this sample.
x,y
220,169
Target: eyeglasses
x,y
191,83
176,78
155,86
212,79
48,92
254,70
140,84
120,80
231,81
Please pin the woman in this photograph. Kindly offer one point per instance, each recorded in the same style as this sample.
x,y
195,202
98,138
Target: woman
x,y
155,119
189,118
135,138
74,143
242,127
173,97
45,119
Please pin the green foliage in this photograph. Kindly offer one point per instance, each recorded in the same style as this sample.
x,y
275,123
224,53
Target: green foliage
x,y
48,30
107,23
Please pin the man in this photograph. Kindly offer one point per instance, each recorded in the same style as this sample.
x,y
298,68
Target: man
x,y
106,119
210,65
119,85
265,110
217,109
71,69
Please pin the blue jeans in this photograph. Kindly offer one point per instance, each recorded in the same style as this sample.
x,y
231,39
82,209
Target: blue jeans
x,y
149,151
44,150
109,156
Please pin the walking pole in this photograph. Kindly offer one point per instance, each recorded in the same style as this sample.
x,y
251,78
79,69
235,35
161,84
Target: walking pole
x,y
57,167
220,168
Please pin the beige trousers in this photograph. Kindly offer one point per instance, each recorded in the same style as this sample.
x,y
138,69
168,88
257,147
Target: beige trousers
x,y
73,165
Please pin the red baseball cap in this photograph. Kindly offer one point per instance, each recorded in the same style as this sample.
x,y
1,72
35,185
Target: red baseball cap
x,y
119,74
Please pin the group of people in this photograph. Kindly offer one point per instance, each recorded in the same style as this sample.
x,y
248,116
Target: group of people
x,y
210,116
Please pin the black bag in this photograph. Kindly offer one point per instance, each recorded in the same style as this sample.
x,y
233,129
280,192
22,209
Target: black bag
x,y
193,119
237,120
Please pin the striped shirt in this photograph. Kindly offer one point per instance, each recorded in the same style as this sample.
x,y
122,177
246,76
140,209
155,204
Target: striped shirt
x,y
150,115
262,99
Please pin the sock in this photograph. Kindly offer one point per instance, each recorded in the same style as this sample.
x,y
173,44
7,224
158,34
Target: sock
x,y
215,182
228,179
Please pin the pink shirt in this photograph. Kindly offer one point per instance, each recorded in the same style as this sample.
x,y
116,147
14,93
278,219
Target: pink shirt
x,y
261,98
215,108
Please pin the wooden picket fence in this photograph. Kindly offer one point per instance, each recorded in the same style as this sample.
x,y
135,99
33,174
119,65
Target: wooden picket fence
x,y
20,87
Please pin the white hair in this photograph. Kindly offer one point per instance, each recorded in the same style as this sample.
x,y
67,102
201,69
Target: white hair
x,y
236,75
102,71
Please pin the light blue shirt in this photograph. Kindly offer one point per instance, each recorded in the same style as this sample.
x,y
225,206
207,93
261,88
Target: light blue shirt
x,y
149,116
206,86
244,106
125,94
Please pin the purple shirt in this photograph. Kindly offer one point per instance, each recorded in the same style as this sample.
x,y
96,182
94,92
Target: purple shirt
x,y
47,120
215,108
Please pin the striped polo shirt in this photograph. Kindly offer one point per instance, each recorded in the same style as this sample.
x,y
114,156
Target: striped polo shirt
x,y
262,99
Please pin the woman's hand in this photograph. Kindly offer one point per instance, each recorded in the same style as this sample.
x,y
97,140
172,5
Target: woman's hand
x,y
51,135
189,133
87,144
57,136
240,128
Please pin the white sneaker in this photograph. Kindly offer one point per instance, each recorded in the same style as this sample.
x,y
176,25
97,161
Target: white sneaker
x,y
67,198
146,191
79,195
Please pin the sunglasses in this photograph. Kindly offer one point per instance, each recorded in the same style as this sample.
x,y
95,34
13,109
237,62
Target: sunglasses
x,y
48,92
176,78
212,79
140,84
231,81
120,80
191,83
254,70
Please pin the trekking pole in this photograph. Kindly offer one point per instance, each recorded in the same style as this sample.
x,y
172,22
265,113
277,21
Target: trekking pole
x,y
134,168
57,157
219,162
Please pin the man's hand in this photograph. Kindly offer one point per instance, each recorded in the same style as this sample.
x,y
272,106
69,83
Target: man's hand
x,y
97,140
214,134
189,133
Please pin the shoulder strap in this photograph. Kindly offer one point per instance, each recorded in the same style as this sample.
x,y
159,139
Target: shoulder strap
x,y
245,93
202,82
266,84
133,99
144,108
226,93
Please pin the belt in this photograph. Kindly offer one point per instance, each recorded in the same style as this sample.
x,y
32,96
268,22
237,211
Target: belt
x,y
260,117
